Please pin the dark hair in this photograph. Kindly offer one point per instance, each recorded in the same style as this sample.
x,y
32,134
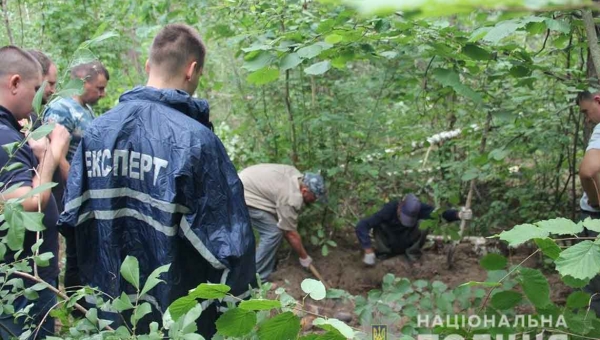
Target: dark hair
x,y
43,59
582,96
17,61
89,71
176,45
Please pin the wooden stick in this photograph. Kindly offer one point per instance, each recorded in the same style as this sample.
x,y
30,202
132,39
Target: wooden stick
x,y
318,275
464,223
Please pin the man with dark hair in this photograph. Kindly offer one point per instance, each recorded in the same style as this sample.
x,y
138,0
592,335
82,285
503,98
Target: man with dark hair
x,y
396,228
150,180
49,74
275,194
75,114
20,78
589,170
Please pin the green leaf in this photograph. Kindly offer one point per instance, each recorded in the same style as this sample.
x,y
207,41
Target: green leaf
x,y
263,76
39,189
536,287
548,247
10,147
581,261
521,234
260,61
37,99
43,260
578,300
99,39
506,300
73,87
592,224
122,303
260,304
210,291
333,39
499,154
41,132
501,31
558,25
318,68
475,52
13,166
309,52
315,288
560,226
334,324
130,269
181,306
16,233
30,294
236,322
450,78
284,326
493,261
32,220
519,71
289,61
141,311
574,283
153,279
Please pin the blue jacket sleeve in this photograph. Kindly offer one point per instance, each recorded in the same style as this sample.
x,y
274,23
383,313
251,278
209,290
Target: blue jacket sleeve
x,y
364,226
449,215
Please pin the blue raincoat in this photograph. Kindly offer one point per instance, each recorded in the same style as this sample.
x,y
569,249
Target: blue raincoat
x,y
151,180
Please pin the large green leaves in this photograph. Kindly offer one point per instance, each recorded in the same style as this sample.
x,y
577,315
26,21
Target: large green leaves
x,y
522,233
536,287
285,326
581,261
236,322
450,78
130,269
318,68
314,288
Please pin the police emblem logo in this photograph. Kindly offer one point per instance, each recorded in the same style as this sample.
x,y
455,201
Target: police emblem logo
x,y
379,332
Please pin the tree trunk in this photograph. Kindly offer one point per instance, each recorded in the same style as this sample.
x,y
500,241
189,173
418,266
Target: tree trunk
x,y
7,23
592,39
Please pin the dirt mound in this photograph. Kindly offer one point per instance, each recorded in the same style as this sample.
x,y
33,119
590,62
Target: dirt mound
x,y
343,269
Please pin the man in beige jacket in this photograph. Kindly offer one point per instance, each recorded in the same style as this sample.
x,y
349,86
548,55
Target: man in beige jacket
x,y
275,194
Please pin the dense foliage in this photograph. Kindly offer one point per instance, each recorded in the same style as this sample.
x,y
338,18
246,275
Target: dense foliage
x,y
381,103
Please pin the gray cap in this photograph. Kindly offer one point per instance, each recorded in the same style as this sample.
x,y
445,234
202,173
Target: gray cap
x,y
411,207
316,185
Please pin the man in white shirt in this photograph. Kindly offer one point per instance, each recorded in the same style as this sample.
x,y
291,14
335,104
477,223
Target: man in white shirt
x,y
275,194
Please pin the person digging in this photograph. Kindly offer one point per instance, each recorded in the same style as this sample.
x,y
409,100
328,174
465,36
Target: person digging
x,y
396,228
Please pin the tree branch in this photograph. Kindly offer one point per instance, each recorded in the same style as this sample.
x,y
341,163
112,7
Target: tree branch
x,y
55,291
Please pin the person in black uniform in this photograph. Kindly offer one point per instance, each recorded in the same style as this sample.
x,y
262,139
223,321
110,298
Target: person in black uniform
x,y
396,228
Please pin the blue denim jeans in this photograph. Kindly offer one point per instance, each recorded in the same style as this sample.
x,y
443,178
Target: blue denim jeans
x,y
594,286
270,238
41,308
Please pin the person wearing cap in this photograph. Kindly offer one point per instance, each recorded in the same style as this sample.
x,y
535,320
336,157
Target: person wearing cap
x,y
275,194
396,228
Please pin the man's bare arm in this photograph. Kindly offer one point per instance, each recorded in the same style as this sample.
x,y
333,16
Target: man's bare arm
x,y
589,171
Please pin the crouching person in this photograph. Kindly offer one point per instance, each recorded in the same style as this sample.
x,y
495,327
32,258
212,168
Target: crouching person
x,y
396,228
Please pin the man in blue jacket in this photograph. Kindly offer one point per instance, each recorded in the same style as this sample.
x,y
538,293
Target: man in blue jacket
x,y
151,180
396,228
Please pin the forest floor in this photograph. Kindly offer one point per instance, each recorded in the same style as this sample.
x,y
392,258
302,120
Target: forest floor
x,y
343,269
